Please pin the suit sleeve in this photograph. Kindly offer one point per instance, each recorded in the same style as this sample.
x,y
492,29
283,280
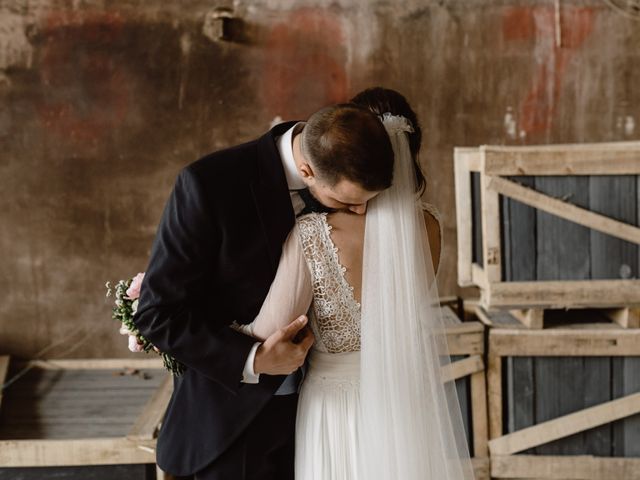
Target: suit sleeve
x,y
176,311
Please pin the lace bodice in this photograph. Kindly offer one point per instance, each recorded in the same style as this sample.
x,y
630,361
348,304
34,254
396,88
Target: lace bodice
x,y
335,314
310,279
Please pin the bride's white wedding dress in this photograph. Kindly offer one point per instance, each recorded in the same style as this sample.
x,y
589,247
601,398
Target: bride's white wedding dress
x,y
373,404
327,425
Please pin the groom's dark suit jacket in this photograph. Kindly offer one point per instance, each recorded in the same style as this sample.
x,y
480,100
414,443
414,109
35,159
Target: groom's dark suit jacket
x,y
213,260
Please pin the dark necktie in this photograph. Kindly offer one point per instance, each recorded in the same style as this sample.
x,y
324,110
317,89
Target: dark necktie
x,y
311,204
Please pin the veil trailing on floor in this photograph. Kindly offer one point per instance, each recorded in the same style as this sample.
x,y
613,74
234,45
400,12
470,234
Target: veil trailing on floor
x,y
411,421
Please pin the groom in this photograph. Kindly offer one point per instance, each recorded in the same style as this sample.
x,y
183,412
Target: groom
x,y
216,251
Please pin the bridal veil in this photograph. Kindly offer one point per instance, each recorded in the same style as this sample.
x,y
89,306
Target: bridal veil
x,y
411,421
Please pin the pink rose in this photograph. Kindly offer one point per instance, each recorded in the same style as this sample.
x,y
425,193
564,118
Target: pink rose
x,y
134,346
133,291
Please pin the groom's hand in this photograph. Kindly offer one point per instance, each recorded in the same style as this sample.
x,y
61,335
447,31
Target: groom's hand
x,y
282,353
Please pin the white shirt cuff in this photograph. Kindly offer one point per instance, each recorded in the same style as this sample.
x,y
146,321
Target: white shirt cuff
x,y
249,375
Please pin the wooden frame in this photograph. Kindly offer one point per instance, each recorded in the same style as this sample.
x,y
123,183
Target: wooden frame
x,y
590,340
492,164
137,447
467,338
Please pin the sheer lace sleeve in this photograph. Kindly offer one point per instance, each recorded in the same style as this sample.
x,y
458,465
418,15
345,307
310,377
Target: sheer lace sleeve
x,y
290,294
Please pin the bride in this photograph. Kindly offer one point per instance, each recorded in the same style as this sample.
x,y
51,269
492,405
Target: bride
x,y
373,404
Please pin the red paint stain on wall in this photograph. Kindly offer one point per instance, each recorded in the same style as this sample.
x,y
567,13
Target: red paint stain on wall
x,y
537,110
86,91
518,24
304,64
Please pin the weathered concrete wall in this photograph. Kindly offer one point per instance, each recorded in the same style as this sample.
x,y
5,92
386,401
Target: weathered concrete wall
x,y
103,102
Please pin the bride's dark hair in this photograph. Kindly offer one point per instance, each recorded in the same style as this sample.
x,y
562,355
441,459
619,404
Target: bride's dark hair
x,y
382,100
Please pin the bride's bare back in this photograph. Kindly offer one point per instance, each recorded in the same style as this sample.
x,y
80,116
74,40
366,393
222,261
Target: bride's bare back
x,y
347,233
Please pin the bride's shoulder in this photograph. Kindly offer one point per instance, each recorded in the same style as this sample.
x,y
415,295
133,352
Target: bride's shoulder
x,y
310,223
431,210
309,219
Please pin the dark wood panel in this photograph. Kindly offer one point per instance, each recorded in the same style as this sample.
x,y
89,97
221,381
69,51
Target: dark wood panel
x,y
563,247
519,394
613,258
614,196
463,389
518,230
476,219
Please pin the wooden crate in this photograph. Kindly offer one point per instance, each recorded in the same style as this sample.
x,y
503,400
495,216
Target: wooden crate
x,y
72,413
466,346
564,402
528,250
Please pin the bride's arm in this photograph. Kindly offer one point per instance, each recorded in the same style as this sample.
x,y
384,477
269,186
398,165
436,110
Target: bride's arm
x,y
290,294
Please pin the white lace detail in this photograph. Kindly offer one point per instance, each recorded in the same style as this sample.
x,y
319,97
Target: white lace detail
x,y
336,314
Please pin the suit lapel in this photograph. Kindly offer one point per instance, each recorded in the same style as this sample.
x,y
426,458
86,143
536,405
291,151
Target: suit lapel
x,y
271,194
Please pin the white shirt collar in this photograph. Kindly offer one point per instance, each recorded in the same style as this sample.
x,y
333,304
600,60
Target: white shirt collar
x,y
285,149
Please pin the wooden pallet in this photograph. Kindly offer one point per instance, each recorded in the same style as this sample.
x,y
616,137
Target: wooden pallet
x,y
537,318
82,412
564,351
130,438
486,236
465,342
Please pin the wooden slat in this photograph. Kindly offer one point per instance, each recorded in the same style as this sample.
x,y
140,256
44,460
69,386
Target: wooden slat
x,y
565,467
479,276
4,368
465,344
561,294
149,420
565,342
63,432
530,317
95,395
463,216
98,364
625,317
466,338
615,158
465,328
88,451
60,411
472,157
479,414
86,420
89,379
462,368
494,394
481,468
497,318
566,425
491,242
565,210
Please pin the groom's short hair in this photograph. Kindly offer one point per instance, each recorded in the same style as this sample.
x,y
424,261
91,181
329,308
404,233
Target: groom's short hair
x,y
346,141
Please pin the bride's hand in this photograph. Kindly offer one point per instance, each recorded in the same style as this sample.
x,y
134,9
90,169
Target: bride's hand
x,y
282,353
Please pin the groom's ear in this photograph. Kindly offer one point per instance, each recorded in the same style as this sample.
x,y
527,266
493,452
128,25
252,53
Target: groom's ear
x,y
306,172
